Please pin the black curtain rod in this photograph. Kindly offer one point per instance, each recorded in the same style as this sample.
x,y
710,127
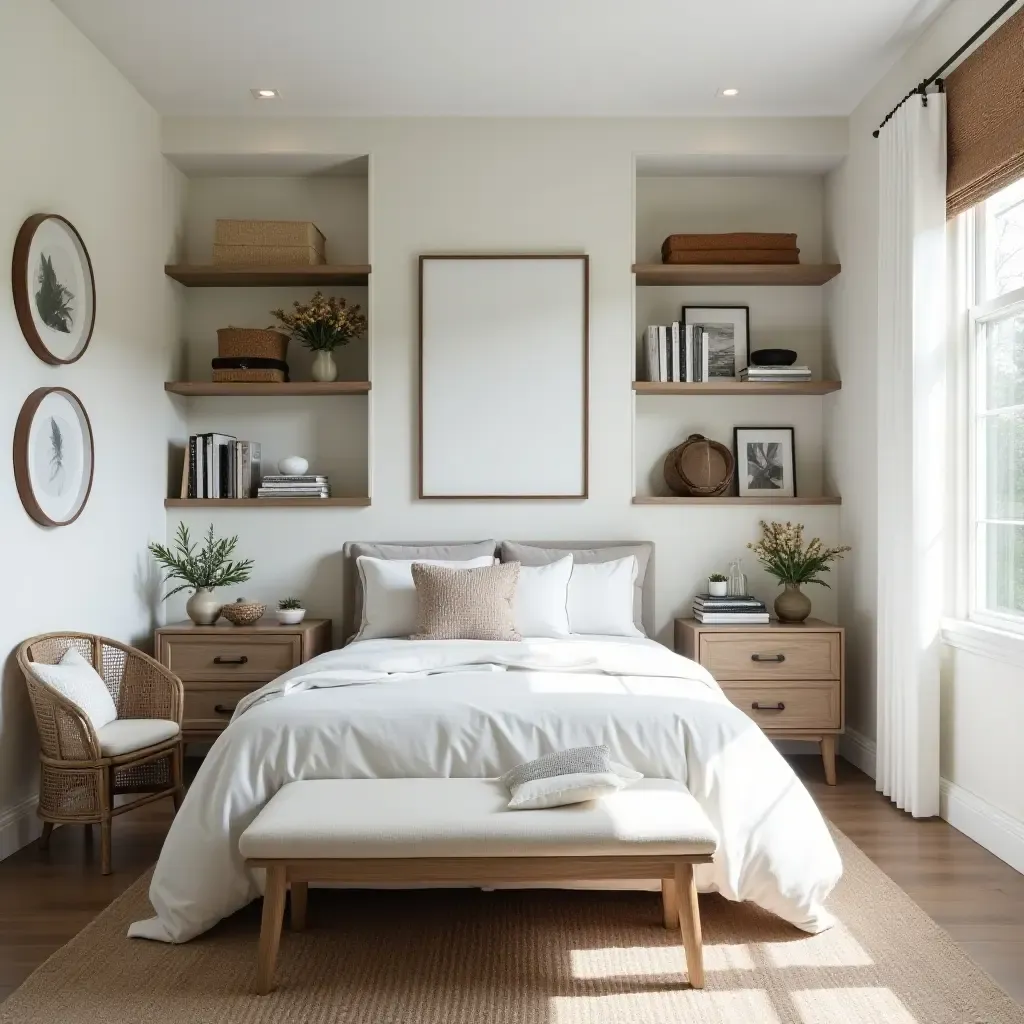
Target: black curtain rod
x,y
922,89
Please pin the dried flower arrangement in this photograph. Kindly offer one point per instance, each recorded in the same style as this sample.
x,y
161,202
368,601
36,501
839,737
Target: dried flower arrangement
x,y
324,324
782,552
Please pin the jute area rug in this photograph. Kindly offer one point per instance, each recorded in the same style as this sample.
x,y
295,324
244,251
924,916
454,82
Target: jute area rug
x,y
530,957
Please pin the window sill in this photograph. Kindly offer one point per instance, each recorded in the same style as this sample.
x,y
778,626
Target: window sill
x,y
985,641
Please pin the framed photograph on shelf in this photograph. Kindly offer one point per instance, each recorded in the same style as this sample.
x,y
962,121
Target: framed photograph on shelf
x,y
765,464
728,331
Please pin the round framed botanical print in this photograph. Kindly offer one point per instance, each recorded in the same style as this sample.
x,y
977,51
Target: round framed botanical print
x,y
54,290
53,456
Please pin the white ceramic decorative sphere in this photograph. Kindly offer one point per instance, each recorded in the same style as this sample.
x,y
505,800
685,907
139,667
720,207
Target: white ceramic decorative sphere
x,y
293,465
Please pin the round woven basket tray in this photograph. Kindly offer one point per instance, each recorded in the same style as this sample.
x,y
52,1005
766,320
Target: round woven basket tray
x,y
699,467
249,341
243,613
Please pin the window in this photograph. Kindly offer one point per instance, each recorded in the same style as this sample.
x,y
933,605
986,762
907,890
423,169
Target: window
x,y
996,410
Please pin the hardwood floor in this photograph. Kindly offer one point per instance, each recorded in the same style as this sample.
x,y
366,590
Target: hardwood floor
x,y
46,898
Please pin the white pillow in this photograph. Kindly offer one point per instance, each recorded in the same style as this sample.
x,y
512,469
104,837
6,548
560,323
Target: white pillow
x,y
389,594
560,790
542,599
601,597
75,678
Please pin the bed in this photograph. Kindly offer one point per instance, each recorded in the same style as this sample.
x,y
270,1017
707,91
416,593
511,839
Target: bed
x,y
400,708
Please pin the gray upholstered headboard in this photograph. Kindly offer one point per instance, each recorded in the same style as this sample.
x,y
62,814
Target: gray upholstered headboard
x,y
348,583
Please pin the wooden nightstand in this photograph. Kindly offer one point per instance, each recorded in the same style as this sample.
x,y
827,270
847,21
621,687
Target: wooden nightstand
x,y
219,665
788,678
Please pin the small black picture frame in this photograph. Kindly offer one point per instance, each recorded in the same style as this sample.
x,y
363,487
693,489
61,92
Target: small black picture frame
x,y
772,474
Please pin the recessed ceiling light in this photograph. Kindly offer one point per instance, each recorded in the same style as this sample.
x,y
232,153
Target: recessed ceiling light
x,y
730,92
265,94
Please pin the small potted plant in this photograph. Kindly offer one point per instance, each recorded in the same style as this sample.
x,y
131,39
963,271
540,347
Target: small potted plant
x,y
322,326
717,584
202,570
782,552
290,611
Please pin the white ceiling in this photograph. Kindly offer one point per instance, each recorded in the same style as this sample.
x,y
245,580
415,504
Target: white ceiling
x,y
503,57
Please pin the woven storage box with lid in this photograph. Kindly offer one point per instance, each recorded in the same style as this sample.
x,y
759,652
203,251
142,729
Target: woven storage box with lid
x,y
269,243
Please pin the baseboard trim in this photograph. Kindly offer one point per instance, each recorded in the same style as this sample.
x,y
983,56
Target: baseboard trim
x,y
988,826
859,750
19,826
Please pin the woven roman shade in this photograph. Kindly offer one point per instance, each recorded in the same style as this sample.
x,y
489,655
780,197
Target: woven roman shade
x,y
985,117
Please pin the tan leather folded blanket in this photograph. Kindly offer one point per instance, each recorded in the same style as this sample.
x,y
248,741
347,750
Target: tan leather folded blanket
x,y
733,240
718,256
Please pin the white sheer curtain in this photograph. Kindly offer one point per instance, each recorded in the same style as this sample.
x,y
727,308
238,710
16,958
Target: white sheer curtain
x,y
912,450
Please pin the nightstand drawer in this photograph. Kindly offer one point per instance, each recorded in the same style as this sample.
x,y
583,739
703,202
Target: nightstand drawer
x,y
771,654
249,659
209,708
781,707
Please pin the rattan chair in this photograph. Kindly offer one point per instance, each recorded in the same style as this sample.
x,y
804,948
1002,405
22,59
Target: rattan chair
x,y
78,783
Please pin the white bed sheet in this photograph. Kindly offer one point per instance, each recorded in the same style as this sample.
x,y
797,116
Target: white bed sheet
x,y
463,708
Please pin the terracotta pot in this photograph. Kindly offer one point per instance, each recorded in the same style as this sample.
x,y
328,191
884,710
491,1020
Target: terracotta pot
x,y
203,607
792,605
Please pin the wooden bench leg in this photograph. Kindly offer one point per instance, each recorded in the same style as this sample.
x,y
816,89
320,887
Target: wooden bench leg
x,y
668,903
300,897
270,930
689,924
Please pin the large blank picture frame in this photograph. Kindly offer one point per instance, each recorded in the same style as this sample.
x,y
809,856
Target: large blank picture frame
x,y
504,367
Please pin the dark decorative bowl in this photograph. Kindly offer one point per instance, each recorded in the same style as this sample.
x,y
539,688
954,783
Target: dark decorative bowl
x,y
773,357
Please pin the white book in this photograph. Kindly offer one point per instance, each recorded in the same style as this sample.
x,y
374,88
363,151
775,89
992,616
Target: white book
x,y
677,354
688,345
723,618
704,347
651,352
662,353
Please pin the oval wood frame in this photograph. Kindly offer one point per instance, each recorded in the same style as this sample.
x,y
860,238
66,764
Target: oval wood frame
x,y
20,287
21,471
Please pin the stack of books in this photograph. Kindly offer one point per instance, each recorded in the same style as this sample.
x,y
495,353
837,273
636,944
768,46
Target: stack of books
x,y
283,485
775,374
729,610
676,353
220,466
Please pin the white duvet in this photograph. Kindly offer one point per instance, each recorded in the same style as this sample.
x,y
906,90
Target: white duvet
x,y
465,708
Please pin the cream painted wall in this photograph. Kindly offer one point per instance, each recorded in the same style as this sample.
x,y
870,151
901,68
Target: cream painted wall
x,y
492,186
80,142
981,699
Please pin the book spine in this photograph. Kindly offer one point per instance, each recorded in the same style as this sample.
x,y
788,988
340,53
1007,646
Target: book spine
x,y
677,369
651,352
255,467
662,354
705,346
688,344
192,466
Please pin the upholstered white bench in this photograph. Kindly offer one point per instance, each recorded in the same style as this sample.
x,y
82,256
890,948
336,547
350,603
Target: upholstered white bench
x,y
422,831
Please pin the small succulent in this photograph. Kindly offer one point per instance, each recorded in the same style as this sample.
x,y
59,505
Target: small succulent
x,y
288,604
717,577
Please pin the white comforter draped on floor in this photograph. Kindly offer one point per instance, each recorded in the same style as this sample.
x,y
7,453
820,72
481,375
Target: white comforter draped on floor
x,y
400,708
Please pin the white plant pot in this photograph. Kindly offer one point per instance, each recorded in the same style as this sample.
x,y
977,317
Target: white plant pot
x,y
717,589
203,608
324,367
290,616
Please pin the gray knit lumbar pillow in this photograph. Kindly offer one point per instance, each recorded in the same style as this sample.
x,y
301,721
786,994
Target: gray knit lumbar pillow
x,y
570,776
465,604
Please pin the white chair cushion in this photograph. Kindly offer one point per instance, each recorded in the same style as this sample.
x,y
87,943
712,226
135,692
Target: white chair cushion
x,y
395,818
124,735
74,678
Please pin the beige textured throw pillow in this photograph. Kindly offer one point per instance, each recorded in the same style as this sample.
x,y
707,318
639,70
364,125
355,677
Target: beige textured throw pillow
x,y
466,604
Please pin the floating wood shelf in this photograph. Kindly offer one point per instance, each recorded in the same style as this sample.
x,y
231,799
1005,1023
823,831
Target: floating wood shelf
x,y
205,388
240,276
735,273
662,500
266,502
738,387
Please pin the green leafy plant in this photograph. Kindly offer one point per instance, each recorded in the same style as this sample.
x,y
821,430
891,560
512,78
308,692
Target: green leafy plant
x,y
209,566
782,552
288,604
323,325
53,300
717,577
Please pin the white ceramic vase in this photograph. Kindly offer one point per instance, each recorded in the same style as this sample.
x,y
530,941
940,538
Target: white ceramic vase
x,y
324,367
290,616
717,588
203,608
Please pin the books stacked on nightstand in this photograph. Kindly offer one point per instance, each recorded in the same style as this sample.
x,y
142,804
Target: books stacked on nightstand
x,y
729,611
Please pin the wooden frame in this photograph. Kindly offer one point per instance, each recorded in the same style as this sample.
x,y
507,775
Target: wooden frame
x,y
679,893
21,287
583,492
22,474
746,327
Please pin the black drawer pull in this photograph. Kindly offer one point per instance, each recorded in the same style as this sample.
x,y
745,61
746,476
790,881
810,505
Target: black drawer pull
x,y
240,660
768,657
757,706
224,709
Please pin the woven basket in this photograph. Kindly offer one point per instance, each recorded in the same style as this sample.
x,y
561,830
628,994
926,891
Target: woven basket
x,y
243,613
233,342
254,376
268,255
699,467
